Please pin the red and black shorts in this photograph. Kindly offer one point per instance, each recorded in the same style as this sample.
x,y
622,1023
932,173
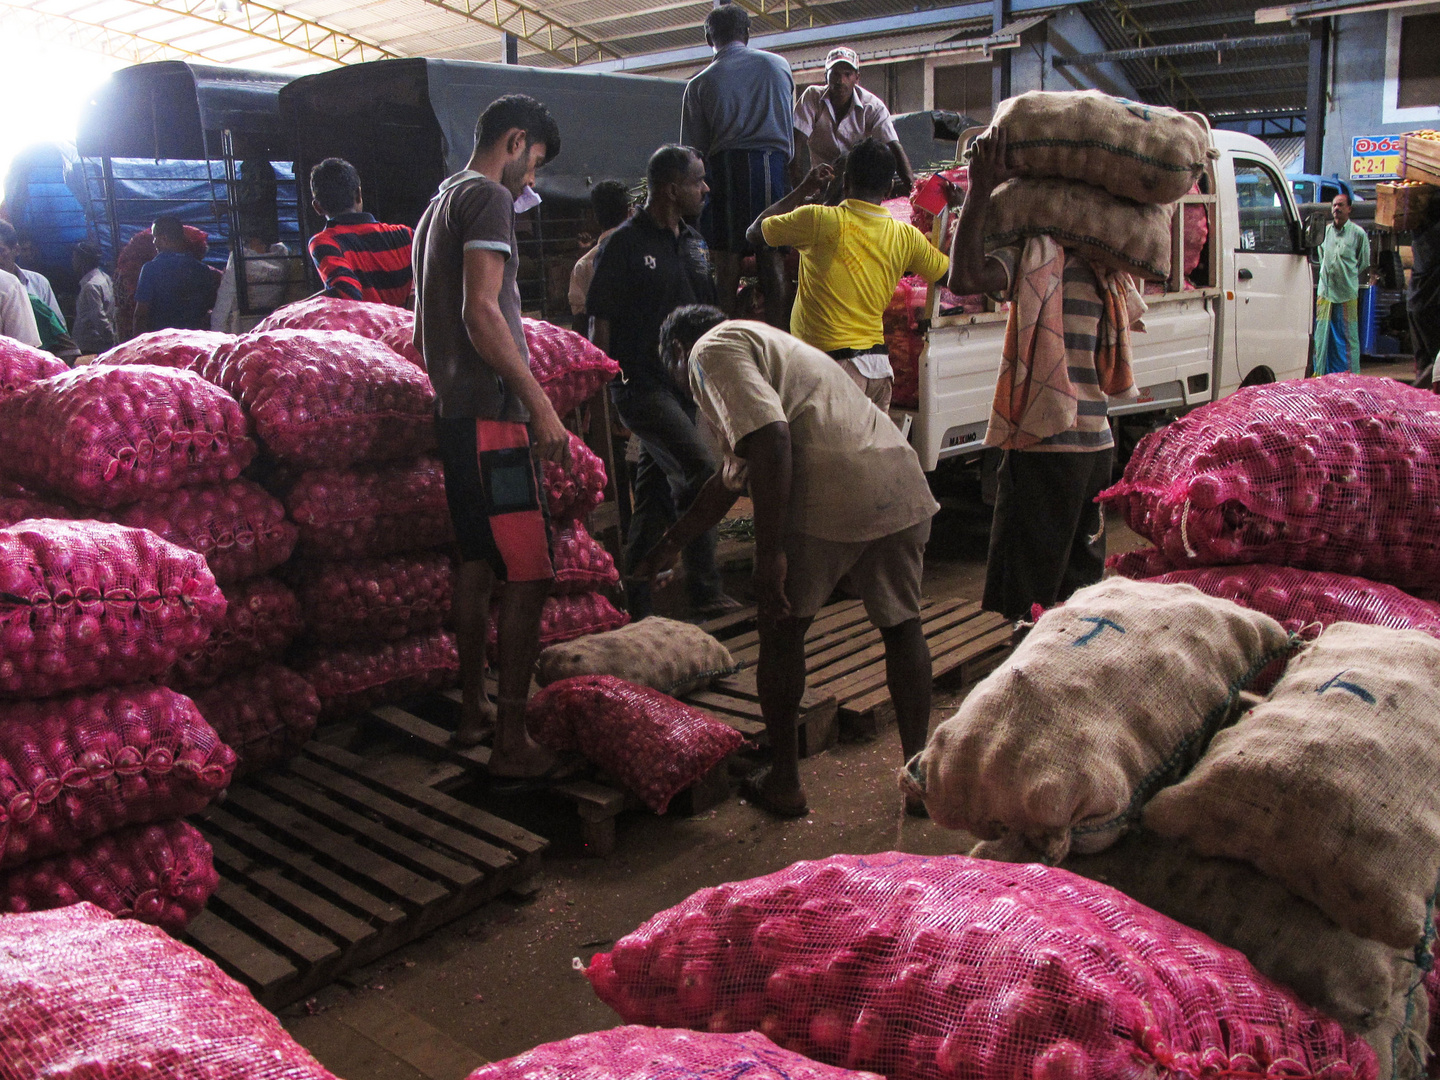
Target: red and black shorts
x,y
495,489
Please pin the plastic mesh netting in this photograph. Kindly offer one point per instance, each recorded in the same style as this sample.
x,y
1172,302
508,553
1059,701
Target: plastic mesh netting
x,y
569,616
17,508
265,714
576,488
366,513
239,527
262,618
395,326
376,599
21,365
166,348
656,746
89,604
352,678
581,562
75,768
111,435
327,397
115,998
952,967
642,1053
567,366
1337,473
160,874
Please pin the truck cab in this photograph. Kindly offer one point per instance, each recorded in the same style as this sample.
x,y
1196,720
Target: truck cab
x,y
1241,316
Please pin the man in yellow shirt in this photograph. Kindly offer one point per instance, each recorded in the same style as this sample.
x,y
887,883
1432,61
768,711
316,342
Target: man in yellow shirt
x,y
851,257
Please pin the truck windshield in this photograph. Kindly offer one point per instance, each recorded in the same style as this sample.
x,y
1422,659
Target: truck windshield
x,y
1265,221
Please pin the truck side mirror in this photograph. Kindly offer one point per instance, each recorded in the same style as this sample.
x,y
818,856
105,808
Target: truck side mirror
x,y
1314,232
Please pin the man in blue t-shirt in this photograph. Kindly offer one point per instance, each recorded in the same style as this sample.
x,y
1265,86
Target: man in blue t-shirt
x,y
175,288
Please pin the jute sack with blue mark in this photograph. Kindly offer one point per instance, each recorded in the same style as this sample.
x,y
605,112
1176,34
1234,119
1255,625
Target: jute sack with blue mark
x,y
1332,785
1111,696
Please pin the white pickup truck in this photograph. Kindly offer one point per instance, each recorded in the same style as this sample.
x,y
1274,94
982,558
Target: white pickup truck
x,y
1247,321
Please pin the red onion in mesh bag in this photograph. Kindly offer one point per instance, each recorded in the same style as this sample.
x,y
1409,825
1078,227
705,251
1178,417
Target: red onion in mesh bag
x,y
21,365
107,436
115,999
1338,473
576,488
1141,563
265,714
654,745
368,512
953,968
75,768
88,604
643,1053
567,366
166,348
160,874
352,678
18,508
376,599
327,397
239,527
401,338
581,562
567,617
337,313
262,618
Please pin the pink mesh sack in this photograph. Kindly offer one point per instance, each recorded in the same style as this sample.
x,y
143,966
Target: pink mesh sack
x,y
337,313
21,365
75,768
166,348
927,968
656,746
581,562
352,678
368,512
327,397
114,998
567,366
1336,473
87,604
573,490
642,1053
239,527
401,338
107,436
265,714
1139,564
376,599
262,618
160,874
569,616
17,508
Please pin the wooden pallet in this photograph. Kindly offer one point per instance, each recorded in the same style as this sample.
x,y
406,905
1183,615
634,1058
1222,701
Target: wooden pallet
x,y
326,864
597,801
845,657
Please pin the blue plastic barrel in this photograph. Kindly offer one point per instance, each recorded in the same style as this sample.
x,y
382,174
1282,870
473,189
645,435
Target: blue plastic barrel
x,y
1369,302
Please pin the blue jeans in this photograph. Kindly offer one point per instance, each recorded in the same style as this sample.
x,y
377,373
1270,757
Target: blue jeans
x,y
674,465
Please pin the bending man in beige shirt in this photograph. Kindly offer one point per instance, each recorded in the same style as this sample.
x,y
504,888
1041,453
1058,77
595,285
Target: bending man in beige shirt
x,y
839,499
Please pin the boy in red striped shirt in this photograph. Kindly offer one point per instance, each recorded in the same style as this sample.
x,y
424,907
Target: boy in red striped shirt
x,y
358,257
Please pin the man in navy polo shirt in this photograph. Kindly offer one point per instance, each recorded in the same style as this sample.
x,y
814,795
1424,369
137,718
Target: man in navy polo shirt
x,y
175,288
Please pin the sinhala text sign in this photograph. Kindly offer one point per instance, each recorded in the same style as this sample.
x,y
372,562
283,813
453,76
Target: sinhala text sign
x,y
1375,157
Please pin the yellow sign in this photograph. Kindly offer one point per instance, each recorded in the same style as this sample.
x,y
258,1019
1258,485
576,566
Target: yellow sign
x,y
1375,157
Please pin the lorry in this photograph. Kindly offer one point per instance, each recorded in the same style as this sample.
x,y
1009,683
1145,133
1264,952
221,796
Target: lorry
x,y
1242,317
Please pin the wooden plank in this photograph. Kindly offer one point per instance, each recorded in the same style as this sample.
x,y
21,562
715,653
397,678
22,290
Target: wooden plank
x,y
829,620
275,926
404,884
464,843
397,848
400,1032
341,890
863,680
296,898
708,792
239,953
591,798
731,625
443,806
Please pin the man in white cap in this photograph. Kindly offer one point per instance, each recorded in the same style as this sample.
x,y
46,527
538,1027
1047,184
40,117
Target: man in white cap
x,y
832,119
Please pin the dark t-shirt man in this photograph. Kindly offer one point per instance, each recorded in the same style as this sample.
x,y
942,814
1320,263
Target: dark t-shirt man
x,y
644,273
180,290
470,211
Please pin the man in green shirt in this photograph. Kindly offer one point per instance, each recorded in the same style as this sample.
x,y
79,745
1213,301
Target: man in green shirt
x,y
1344,257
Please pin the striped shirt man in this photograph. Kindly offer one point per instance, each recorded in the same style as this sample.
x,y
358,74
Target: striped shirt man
x,y
360,258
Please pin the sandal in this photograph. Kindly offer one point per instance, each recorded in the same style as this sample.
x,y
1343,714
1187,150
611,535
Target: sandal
x,y
753,788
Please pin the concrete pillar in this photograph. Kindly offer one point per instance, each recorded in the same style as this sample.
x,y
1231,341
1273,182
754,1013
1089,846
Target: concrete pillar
x,y
1000,75
1316,92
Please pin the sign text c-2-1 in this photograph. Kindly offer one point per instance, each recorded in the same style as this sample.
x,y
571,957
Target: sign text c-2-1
x,y
1375,157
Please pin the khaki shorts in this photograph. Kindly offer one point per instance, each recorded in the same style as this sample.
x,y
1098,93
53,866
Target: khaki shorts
x,y
877,390
884,573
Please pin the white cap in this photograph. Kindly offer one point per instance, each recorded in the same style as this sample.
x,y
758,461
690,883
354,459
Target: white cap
x,y
841,55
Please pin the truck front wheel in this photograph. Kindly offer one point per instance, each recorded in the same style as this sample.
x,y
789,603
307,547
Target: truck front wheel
x,y
1258,376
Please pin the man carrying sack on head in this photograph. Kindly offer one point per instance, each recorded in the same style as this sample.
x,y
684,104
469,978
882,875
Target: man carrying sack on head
x,y
1067,353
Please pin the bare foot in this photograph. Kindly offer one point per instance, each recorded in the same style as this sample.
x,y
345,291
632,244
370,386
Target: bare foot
x,y
787,801
475,726
523,762
915,806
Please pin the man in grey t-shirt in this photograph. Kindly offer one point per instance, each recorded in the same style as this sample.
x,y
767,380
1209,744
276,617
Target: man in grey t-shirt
x,y
494,422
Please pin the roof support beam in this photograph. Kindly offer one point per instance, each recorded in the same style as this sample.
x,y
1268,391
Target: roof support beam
x,y
94,38
1216,46
1319,9
540,32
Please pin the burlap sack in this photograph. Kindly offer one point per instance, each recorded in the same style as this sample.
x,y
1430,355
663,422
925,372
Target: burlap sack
x,y
1119,233
672,657
1371,988
1137,151
1109,697
1332,785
